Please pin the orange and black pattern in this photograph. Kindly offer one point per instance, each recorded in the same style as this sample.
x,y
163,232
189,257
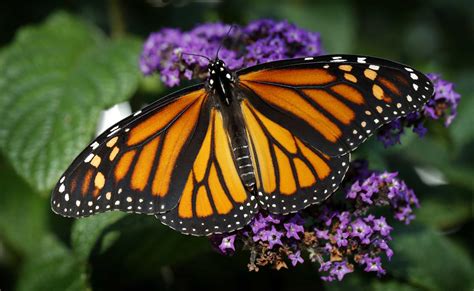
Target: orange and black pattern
x,y
335,102
290,174
214,199
183,160
134,166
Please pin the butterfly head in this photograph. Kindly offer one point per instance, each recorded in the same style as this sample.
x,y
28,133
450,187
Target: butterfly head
x,y
219,73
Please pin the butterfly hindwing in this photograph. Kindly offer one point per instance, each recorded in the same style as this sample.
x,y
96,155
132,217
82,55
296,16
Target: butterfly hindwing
x,y
214,199
290,174
132,166
335,102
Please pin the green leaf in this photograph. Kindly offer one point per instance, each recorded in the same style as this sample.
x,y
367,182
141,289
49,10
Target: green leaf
x,y
391,286
136,245
460,176
23,214
87,231
461,127
429,259
368,281
56,78
114,232
428,152
335,21
144,245
444,207
53,268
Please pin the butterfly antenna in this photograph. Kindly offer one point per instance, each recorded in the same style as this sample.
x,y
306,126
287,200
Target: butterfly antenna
x,y
196,55
226,37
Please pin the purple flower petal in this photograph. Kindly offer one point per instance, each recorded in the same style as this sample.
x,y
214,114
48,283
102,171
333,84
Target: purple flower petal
x,y
296,258
381,226
340,269
274,237
292,230
374,265
227,243
360,229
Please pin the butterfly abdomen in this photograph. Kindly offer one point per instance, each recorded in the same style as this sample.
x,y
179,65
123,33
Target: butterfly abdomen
x,y
240,145
243,161
237,134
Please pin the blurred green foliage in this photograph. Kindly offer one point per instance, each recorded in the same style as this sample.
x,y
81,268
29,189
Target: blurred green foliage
x,y
56,79
62,62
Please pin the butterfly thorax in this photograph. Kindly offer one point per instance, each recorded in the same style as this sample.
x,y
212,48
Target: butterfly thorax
x,y
220,83
221,80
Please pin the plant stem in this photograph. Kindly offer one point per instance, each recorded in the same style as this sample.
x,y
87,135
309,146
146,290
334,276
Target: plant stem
x,y
116,20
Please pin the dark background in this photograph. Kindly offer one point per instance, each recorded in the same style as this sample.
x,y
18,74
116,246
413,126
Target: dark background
x,y
136,253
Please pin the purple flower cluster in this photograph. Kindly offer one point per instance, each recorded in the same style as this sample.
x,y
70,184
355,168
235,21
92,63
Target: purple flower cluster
x,y
443,105
259,41
385,189
350,238
338,236
276,236
444,102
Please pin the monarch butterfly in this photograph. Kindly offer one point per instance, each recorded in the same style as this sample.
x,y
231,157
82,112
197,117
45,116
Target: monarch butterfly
x,y
276,136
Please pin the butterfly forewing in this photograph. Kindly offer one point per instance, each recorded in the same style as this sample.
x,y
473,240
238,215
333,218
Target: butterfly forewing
x,y
335,102
133,165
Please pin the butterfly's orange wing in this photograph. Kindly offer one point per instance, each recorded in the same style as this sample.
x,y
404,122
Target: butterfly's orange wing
x,y
139,164
173,158
335,102
214,199
290,173
304,116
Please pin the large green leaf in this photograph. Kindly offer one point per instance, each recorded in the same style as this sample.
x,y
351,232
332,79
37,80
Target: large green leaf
x,y
392,285
86,232
461,128
368,282
428,258
23,214
55,79
108,237
143,246
430,152
445,207
53,268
